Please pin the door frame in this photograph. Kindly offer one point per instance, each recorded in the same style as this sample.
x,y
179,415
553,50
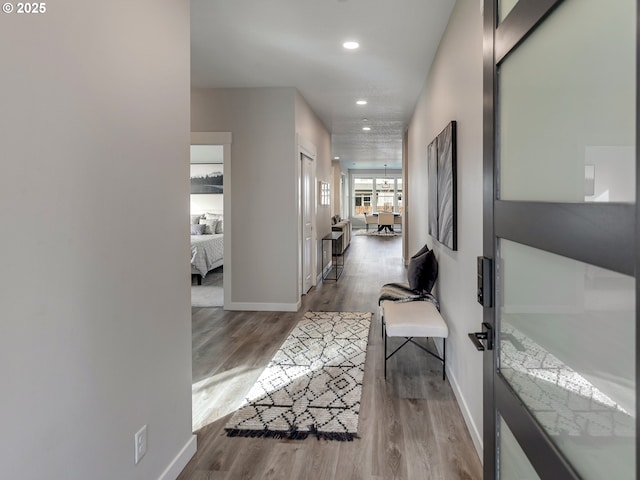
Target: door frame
x,y
584,233
307,148
225,139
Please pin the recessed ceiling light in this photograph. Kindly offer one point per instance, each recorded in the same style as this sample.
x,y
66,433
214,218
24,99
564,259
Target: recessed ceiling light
x,y
361,102
336,158
350,45
366,129
365,119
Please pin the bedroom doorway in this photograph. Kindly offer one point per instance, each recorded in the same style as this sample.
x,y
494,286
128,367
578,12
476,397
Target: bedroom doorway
x,y
210,207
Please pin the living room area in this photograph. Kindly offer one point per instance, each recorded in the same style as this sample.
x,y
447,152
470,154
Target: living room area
x,y
367,202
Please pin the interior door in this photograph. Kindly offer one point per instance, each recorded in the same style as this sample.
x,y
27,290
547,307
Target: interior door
x,y
560,223
307,230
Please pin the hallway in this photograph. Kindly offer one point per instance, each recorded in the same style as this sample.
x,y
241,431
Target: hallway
x,y
410,426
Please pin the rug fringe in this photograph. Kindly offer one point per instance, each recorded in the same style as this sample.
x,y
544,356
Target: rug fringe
x,y
293,434
339,436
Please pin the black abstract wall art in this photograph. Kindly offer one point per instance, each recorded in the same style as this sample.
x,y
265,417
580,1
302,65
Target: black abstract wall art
x,y
441,172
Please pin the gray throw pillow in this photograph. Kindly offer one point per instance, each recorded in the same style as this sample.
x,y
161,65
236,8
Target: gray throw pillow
x,y
424,249
423,272
220,226
197,229
210,225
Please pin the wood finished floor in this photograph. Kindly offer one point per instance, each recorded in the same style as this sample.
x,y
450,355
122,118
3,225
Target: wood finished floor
x,y
410,426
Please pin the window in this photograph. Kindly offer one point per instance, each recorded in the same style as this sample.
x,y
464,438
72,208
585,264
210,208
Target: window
x,y
363,191
377,194
325,193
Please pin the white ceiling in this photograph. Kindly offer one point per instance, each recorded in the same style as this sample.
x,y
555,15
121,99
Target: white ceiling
x,y
298,43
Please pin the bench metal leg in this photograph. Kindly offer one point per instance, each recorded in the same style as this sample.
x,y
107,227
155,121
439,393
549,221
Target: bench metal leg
x,y
410,339
444,356
384,332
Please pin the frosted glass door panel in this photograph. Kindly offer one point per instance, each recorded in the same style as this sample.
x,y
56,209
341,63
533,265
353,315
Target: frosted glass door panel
x,y
514,464
567,348
504,7
567,107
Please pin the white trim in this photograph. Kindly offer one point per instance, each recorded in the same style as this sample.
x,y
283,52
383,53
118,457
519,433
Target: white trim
x,y
305,147
344,195
328,268
263,307
181,460
476,436
224,139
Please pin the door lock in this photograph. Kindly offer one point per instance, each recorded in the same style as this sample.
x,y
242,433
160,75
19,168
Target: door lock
x,y
485,271
483,340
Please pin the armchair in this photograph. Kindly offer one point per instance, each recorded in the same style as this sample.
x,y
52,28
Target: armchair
x,y
370,220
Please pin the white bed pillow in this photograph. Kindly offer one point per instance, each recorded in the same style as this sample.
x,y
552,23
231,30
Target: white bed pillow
x,y
210,225
216,216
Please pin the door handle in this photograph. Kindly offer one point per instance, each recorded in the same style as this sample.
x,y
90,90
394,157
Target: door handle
x,y
482,340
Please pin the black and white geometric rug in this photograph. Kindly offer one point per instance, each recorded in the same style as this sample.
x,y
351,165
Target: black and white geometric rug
x,y
313,384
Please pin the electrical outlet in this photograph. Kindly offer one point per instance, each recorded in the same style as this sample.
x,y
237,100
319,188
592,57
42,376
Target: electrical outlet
x,y
140,443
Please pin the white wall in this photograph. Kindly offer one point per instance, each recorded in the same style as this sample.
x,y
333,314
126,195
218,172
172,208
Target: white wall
x,y
95,329
336,173
309,127
453,91
263,187
201,203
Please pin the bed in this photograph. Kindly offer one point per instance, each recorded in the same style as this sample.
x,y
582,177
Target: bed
x,y
207,253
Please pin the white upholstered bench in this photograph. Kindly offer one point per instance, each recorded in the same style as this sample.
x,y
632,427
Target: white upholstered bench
x,y
413,319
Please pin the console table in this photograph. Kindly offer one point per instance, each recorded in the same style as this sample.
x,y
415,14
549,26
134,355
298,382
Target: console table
x,y
333,238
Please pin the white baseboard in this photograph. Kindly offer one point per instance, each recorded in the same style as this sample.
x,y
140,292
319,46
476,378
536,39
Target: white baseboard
x,y
326,270
181,460
476,436
264,307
